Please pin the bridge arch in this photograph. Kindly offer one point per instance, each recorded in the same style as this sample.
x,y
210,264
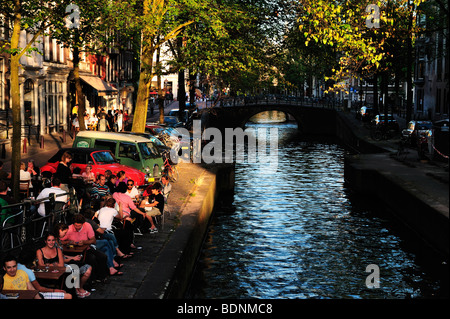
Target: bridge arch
x,y
310,119
289,115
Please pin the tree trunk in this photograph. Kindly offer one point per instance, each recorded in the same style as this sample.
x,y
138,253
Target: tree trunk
x,y
80,95
140,112
145,78
161,94
15,104
181,80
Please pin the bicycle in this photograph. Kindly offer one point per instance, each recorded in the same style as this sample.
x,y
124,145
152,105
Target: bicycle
x,y
382,132
171,171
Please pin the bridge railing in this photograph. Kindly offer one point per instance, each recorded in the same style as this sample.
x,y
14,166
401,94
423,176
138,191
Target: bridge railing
x,y
275,99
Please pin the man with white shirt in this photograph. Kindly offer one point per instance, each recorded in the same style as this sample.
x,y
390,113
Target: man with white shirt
x,y
132,191
45,193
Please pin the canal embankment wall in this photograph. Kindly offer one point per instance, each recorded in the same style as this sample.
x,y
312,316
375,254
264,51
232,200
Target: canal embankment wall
x,y
413,196
170,274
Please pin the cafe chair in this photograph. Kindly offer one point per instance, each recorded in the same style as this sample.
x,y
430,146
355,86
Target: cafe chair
x,y
24,188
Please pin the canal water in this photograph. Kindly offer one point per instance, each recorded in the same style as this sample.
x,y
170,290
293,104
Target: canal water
x,y
302,233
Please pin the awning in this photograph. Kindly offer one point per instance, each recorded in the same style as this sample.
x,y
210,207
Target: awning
x,y
98,84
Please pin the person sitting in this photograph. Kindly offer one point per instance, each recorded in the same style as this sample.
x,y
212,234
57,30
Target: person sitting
x,y
45,193
6,200
121,177
106,217
154,204
88,175
132,191
59,231
111,183
25,263
129,208
34,173
25,176
99,191
50,254
16,279
32,169
81,233
105,242
166,187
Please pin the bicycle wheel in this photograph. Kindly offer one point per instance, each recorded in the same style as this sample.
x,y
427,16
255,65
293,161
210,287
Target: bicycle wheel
x,y
173,173
377,135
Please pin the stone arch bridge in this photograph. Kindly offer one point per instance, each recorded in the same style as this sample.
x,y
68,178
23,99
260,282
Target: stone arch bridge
x,y
311,119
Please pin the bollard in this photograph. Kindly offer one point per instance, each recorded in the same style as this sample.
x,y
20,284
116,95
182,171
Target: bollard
x,y
24,145
64,135
42,141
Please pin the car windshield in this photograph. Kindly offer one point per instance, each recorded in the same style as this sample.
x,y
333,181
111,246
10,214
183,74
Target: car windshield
x,y
171,119
158,130
424,126
156,141
104,157
148,149
172,131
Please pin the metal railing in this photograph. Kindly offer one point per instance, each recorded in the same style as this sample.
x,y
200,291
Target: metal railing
x,y
275,99
23,226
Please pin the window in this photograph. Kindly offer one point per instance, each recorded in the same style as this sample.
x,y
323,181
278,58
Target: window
x,y
103,158
438,101
79,158
419,106
128,150
105,145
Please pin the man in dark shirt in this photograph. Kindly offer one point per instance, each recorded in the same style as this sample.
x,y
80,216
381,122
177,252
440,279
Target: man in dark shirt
x,y
5,200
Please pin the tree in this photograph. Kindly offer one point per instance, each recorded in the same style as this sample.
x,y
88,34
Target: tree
x,y
362,31
35,18
156,19
226,44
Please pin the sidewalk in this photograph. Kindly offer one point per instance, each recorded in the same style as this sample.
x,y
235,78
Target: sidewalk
x,y
52,143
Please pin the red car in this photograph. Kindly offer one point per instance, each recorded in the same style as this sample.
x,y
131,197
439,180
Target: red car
x,y
100,160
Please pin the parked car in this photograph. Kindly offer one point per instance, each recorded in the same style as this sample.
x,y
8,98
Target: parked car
x,y
171,138
392,122
100,160
415,129
158,144
182,116
131,150
173,121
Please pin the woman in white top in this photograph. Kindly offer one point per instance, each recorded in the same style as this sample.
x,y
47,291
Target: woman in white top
x,y
25,175
107,213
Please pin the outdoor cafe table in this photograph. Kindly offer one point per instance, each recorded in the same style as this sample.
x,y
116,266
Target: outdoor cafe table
x,y
50,272
23,294
72,250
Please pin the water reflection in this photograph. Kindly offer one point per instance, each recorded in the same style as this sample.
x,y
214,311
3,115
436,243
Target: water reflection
x,y
302,234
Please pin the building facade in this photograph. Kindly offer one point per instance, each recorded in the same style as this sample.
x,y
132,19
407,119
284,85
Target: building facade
x,y
431,70
47,89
